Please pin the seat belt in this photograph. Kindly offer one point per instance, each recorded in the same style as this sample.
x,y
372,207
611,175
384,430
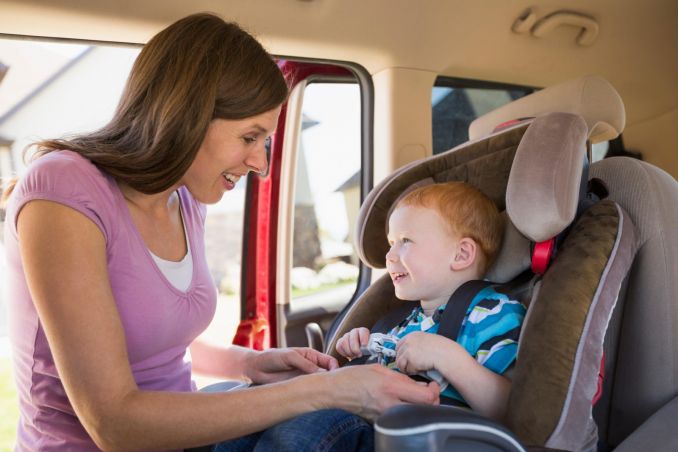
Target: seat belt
x,y
394,317
457,305
450,319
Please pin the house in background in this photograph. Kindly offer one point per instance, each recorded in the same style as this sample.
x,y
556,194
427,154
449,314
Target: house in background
x,y
3,71
351,191
306,238
33,78
42,111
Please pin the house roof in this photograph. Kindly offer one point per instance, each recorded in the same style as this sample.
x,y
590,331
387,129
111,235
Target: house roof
x,y
353,181
29,73
3,70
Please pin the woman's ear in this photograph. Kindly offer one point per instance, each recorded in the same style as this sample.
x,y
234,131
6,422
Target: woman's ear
x,y
465,255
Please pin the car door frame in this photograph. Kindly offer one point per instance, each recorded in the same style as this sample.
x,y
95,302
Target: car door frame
x,y
264,309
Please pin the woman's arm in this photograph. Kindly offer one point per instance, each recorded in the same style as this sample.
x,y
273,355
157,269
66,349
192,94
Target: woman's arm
x,y
485,391
238,363
64,259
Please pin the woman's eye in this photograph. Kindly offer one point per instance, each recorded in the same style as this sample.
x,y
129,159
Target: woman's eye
x,y
249,140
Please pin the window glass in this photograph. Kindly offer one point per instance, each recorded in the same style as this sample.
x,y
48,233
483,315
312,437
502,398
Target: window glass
x,y
599,150
52,90
327,193
48,90
457,103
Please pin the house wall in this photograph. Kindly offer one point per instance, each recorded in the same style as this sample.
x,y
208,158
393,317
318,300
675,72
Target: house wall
x,y
94,84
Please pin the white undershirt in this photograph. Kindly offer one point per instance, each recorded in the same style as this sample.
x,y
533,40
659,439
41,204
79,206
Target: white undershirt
x,y
179,274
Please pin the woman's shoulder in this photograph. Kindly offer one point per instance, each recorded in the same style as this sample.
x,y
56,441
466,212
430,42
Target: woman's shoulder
x,y
70,179
62,161
63,172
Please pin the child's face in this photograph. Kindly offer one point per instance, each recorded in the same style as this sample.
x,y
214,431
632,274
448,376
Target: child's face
x,y
421,254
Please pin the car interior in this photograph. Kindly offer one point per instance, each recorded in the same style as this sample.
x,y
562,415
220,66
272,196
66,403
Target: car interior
x,y
555,403
563,113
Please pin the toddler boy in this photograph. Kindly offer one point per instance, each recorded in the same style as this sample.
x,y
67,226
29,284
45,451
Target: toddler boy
x,y
442,236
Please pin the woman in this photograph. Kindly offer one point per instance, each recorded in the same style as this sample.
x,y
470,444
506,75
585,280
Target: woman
x,y
100,323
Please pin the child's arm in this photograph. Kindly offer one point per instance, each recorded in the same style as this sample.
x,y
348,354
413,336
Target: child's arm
x,y
350,343
485,391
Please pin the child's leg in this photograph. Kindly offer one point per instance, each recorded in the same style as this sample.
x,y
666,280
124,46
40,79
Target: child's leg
x,y
319,431
243,444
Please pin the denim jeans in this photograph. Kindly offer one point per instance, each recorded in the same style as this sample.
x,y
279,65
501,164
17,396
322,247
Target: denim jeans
x,y
322,431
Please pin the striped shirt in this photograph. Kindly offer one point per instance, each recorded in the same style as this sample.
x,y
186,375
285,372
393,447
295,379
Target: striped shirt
x,y
489,332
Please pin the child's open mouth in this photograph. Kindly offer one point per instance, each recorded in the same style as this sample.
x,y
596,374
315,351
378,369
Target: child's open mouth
x,y
397,277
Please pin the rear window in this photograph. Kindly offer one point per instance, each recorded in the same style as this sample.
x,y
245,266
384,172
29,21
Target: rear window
x,y
456,103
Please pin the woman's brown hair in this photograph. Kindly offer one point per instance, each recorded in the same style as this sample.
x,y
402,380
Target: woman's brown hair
x,y
195,70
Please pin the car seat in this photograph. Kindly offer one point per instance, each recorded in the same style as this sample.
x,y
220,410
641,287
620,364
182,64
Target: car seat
x,y
534,169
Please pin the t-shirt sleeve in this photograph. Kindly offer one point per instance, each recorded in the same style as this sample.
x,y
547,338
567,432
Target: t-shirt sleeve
x,y
492,331
68,179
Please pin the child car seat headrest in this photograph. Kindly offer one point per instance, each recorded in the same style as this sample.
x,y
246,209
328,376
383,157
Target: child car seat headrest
x,y
532,170
543,188
591,97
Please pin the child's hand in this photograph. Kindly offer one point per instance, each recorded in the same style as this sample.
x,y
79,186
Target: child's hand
x,y
350,343
419,352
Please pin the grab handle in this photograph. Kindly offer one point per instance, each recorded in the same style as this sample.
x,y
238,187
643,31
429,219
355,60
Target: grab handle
x,y
588,25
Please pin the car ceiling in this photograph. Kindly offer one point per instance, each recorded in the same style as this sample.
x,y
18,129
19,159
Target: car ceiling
x,y
636,49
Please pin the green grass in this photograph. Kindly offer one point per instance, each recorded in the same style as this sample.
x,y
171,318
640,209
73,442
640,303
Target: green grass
x,y
9,406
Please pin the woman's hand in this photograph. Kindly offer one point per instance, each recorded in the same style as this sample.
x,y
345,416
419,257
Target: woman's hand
x,y
279,364
350,343
369,390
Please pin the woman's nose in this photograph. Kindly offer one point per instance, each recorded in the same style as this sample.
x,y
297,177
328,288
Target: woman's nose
x,y
257,161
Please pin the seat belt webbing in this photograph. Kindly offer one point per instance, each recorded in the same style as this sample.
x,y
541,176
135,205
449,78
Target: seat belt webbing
x,y
457,305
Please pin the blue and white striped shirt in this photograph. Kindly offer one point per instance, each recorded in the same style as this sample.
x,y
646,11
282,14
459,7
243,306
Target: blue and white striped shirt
x,y
489,331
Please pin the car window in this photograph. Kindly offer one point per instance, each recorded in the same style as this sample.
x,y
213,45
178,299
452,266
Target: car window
x,y
599,150
456,103
49,90
327,191
52,90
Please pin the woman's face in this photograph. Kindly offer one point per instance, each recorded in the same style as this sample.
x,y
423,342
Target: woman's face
x,y
230,150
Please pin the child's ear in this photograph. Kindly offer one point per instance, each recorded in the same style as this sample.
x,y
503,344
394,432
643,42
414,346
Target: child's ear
x,y
465,255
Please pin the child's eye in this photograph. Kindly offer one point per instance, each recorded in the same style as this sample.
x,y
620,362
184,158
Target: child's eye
x,y
405,240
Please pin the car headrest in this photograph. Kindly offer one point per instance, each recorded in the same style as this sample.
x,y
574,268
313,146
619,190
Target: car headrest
x,y
591,97
542,194
533,171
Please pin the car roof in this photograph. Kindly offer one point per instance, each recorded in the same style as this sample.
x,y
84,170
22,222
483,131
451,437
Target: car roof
x,y
636,48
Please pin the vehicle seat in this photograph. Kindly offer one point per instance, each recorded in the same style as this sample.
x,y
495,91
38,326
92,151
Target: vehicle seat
x,y
639,402
519,168
640,399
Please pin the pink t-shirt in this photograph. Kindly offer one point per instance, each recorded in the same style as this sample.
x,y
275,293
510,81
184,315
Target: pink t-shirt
x,y
159,320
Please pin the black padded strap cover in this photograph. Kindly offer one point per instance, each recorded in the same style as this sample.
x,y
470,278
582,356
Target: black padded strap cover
x,y
457,305
394,317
